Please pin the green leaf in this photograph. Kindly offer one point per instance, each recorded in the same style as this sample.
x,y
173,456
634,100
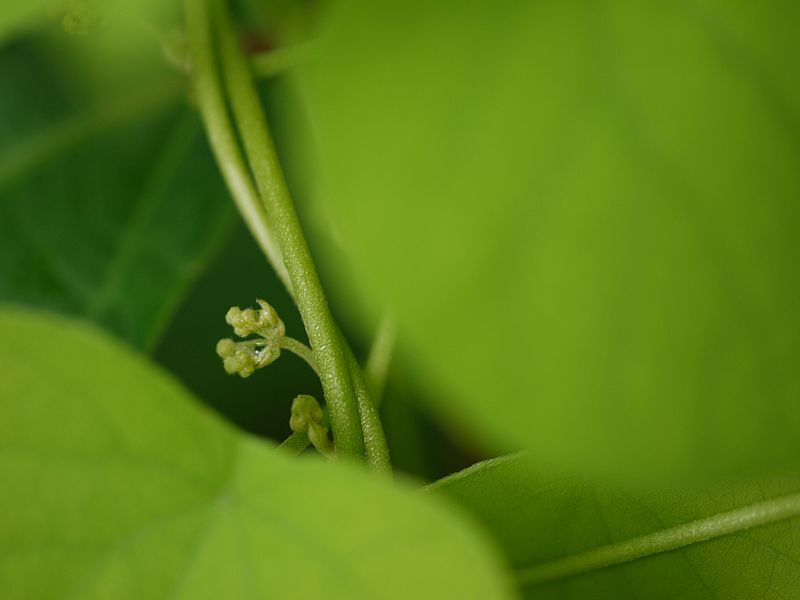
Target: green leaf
x,y
15,16
572,538
124,18
116,483
584,214
108,212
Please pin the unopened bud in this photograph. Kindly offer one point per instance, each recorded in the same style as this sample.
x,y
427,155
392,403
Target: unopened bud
x,y
305,411
242,358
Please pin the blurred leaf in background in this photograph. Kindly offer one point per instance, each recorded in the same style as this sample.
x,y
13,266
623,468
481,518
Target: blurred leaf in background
x,y
585,216
16,16
108,211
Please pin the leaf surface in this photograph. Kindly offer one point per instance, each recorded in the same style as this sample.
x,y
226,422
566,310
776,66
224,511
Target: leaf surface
x,y
116,483
17,15
556,528
585,215
106,211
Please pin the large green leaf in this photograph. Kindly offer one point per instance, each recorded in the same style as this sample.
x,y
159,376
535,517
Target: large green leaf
x,y
84,17
107,210
18,15
557,529
584,213
115,483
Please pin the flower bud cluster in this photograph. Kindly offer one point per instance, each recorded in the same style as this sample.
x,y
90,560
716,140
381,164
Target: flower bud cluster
x,y
244,357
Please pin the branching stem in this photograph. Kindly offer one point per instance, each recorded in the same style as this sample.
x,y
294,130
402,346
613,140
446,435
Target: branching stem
x,y
377,450
280,213
353,417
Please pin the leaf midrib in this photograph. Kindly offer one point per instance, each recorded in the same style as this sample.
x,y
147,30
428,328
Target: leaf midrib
x,y
701,530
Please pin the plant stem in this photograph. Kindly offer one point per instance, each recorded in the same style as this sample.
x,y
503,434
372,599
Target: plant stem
x,y
280,213
273,62
210,99
701,530
377,450
376,369
300,349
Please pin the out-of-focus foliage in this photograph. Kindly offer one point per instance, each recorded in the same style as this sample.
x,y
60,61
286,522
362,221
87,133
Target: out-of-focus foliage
x,y
117,484
539,517
107,210
282,21
585,215
15,16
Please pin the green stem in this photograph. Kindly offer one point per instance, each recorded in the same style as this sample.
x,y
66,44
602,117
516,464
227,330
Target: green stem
x,y
701,530
210,99
280,213
269,64
377,450
300,349
376,369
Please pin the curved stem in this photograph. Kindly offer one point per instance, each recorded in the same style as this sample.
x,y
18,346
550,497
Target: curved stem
x,y
210,99
300,349
317,318
701,530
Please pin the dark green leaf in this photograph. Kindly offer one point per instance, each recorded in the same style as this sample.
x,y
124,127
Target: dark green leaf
x,y
115,483
108,211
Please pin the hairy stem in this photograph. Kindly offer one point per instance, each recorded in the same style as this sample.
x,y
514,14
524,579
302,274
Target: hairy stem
x,y
280,213
210,99
701,530
377,450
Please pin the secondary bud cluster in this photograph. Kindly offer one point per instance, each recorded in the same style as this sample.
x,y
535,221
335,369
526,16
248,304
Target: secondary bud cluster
x,y
246,356
307,418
